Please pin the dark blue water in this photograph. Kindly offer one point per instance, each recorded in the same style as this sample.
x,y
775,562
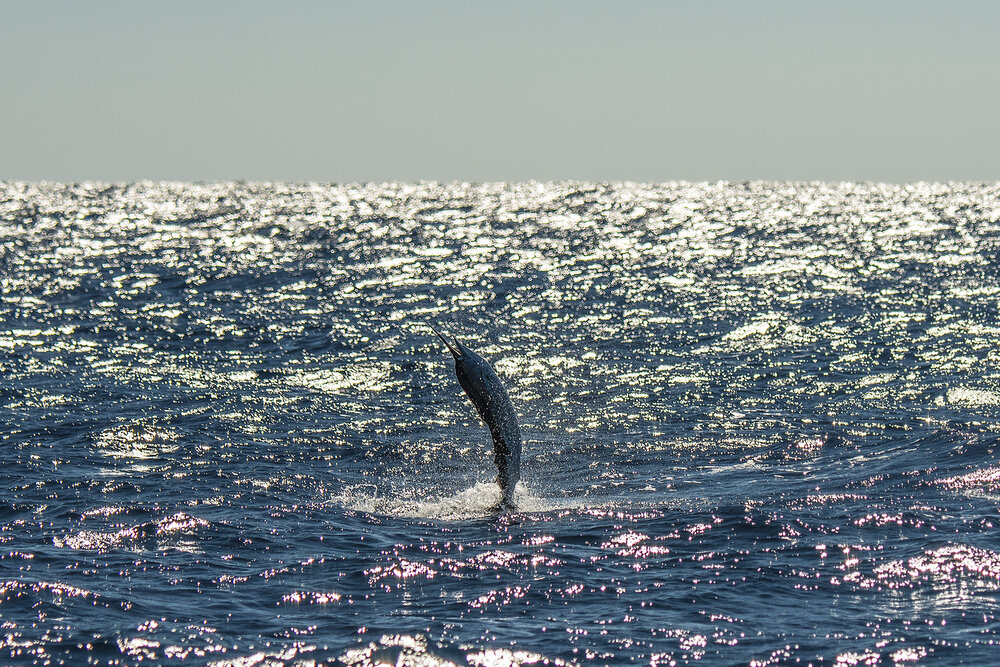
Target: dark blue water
x,y
760,420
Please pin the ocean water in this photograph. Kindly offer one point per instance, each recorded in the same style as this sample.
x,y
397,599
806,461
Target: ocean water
x,y
760,422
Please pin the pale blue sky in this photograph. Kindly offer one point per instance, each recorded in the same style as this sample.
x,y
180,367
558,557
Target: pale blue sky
x,y
897,90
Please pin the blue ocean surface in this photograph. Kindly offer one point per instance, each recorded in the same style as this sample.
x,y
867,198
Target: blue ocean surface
x,y
760,424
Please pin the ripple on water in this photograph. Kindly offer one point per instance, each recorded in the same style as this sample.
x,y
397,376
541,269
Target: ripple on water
x,y
760,423
418,650
168,532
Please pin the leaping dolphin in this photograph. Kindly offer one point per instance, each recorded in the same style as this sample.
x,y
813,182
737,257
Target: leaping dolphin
x,y
487,393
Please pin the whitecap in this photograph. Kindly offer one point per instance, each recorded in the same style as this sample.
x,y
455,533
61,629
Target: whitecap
x,y
480,500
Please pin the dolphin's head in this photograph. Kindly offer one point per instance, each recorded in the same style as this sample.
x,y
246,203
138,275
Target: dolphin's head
x,y
457,350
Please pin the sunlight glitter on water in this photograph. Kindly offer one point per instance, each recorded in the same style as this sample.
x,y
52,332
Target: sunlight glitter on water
x,y
760,422
136,441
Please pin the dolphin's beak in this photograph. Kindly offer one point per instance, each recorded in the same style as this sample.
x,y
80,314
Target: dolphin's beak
x,y
455,351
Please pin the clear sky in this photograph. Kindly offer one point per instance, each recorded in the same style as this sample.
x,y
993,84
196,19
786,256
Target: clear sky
x,y
891,90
